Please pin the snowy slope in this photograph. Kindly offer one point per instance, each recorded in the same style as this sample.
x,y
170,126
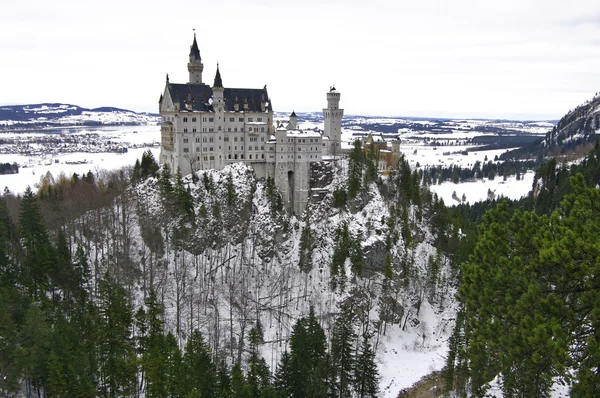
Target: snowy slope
x,y
237,265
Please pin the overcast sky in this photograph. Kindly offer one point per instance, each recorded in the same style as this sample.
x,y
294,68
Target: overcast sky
x,y
524,59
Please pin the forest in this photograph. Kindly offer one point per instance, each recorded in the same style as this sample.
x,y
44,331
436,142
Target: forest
x,y
143,282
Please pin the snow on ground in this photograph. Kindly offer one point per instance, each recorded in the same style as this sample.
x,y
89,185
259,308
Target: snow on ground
x,y
33,168
476,191
406,356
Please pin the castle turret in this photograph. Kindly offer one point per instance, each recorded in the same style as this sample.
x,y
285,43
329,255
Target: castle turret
x,y
293,124
332,118
195,66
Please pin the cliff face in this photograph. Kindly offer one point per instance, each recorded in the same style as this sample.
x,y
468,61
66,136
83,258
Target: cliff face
x,y
574,135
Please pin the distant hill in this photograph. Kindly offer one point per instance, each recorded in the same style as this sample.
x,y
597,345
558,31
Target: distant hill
x,y
573,136
49,115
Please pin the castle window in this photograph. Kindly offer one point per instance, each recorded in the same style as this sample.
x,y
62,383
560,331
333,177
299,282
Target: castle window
x,y
232,119
204,129
205,158
229,148
197,149
212,149
186,150
194,130
281,157
235,148
250,156
229,129
185,130
262,148
211,119
211,139
299,149
235,139
204,119
229,157
235,129
259,119
241,119
256,148
262,138
250,119
185,140
194,119
203,139
211,130
250,129
197,139
226,139
204,149
212,158
262,129
242,156
219,129
185,119
235,157
263,156
242,147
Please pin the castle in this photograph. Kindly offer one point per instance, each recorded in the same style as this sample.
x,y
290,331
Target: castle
x,y
204,127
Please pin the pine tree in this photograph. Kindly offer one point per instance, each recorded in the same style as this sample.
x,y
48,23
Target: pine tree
x,y
55,382
357,257
115,345
366,376
200,373
306,244
355,170
387,267
282,384
39,256
342,352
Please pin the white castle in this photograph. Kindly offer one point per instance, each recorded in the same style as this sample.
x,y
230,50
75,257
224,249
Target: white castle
x,y
205,127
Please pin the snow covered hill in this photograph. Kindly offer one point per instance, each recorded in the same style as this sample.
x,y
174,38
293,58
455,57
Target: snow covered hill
x,y
48,115
232,260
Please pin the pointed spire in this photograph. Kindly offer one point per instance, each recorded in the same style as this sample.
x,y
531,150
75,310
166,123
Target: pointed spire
x,y
293,114
218,82
194,51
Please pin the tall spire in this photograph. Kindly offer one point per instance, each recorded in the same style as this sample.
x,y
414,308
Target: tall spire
x,y
218,82
194,51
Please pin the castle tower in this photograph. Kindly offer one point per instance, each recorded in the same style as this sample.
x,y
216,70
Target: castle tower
x,y
293,124
332,117
218,104
195,66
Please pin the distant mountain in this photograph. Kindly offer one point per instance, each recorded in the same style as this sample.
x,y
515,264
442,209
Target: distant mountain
x,y
574,135
49,115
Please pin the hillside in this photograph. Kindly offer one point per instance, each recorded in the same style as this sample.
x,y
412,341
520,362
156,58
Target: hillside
x,y
575,134
49,115
224,258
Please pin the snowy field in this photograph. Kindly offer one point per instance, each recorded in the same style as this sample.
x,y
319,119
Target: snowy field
x,y
33,168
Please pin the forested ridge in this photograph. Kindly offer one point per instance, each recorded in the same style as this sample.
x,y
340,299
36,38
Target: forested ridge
x,y
529,292
144,282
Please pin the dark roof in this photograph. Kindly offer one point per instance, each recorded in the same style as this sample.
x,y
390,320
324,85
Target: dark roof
x,y
293,114
199,95
218,81
194,51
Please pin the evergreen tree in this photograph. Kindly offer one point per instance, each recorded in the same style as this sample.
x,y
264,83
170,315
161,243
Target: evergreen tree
x,y
366,376
39,256
357,257
306,245
282,384
200,373
355,169
116,351
342,352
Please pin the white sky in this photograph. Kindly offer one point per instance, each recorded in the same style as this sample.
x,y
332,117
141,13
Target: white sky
x,y
467,58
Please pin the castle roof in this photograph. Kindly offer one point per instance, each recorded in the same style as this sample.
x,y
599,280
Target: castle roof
x,y
293,114
218,82
200,94
194,50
